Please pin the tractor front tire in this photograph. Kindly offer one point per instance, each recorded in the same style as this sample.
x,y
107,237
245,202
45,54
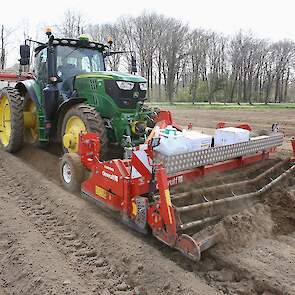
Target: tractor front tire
x,y
72,172
83,118
11,119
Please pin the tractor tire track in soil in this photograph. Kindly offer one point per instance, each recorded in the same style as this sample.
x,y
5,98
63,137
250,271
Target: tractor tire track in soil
x,y
66,245
31,265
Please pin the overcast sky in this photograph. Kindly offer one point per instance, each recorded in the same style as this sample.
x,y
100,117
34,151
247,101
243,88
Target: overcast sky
x,y
270,19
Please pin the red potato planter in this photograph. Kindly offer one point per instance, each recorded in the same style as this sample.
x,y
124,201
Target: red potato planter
x,y
141,189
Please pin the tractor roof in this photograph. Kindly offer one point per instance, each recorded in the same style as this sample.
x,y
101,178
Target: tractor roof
x,y
82,43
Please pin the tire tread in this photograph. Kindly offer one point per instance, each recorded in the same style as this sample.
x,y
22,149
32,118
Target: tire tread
x,y
17,119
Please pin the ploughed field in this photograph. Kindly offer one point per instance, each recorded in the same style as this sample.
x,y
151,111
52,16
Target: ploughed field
x,y
206,120
54,242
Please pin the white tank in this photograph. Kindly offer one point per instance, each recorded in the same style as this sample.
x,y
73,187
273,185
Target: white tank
x,y
196,141
171,143
230,135
174,142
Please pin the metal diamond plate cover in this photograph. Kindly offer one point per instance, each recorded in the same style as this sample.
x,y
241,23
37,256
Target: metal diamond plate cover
x,y
213,155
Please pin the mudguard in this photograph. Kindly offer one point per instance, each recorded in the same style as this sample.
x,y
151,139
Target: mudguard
x,y
66,104
63,108
31,87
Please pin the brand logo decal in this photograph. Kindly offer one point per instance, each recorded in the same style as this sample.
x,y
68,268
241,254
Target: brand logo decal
x,y
110,176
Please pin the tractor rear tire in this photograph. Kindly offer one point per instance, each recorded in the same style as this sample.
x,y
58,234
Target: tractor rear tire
x,y
11,119
72,172
92,121
31,133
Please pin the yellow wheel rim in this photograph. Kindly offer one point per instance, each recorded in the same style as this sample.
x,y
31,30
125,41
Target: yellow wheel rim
x,y
74,127
5,121
30,120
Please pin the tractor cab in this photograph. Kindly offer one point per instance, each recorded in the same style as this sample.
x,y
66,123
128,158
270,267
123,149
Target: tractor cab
x,y
75,61
69,58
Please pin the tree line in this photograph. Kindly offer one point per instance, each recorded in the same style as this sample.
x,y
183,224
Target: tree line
x,y
185,64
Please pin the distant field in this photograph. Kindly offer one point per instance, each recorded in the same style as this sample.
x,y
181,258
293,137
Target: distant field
x,y
205,119
223,106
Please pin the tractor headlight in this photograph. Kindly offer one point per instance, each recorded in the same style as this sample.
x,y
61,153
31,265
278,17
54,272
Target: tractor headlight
x,y
125,85
143,86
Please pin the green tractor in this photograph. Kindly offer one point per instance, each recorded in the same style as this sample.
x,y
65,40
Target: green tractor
x,y
71,92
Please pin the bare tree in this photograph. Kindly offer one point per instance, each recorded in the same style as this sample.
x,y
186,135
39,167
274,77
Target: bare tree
x,y
148,31
5,39
268,74
216,64
127,29
101,33
284,52
72,25
198,42
174,50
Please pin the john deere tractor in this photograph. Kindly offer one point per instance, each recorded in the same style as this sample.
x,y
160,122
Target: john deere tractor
x,y
70,92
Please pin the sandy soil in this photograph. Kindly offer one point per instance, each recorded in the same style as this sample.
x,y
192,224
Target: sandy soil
x,y
53,242
58,243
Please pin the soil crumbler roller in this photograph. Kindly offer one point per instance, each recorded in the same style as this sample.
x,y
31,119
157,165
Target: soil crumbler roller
x,y
139,188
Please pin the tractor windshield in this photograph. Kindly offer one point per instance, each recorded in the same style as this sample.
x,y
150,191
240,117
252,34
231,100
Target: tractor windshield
x,y
72,61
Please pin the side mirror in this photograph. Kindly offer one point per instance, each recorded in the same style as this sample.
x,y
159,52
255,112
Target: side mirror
x,y
133,64
24,55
